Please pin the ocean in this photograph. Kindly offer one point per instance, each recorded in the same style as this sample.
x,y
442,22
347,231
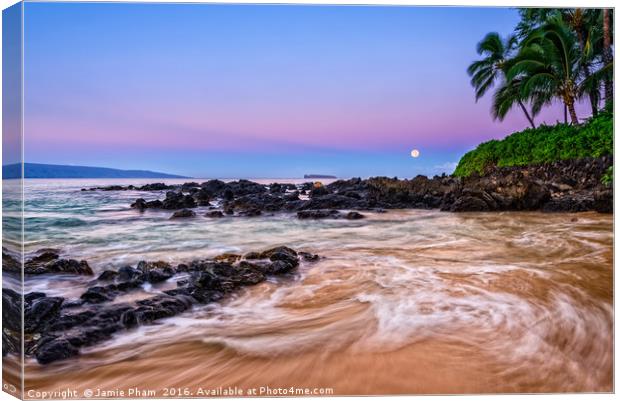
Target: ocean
x,y
406,301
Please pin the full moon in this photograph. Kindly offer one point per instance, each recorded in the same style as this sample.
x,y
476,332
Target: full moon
x,y
415,153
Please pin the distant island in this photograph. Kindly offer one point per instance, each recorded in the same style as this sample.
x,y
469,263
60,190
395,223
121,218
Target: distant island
x,y
319,176
37,170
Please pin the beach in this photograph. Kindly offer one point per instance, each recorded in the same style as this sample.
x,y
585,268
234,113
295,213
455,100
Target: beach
x,y
400,302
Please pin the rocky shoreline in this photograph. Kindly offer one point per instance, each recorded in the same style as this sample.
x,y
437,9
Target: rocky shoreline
x,y
56,328
564,186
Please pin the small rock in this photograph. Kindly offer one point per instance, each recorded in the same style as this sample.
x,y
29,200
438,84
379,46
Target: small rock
x,y
158,275
227,258
252,255
107,275
55,350
307,256
183,214
250,213
354,216
127,273
40,312
97,295
318,214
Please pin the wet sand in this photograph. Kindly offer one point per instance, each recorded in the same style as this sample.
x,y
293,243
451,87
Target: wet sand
x,y
407,302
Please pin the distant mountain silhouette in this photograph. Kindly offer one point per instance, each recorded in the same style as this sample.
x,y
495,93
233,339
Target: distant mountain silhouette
x,y
36,170
319,176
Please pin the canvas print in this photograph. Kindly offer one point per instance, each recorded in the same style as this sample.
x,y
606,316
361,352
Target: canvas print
x,y
206,200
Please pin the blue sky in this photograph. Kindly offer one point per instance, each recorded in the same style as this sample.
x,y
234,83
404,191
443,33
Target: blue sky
x,y
257,90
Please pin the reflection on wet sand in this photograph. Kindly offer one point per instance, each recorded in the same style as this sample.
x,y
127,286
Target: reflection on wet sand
x,y
404,302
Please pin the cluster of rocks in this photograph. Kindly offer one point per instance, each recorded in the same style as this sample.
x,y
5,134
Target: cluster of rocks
x,y
157,186
328,214
564,186
567,186
56,328
247,199
237,198
45,261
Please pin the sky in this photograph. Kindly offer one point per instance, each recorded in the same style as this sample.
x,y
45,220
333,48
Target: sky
x,y
11,87
257,91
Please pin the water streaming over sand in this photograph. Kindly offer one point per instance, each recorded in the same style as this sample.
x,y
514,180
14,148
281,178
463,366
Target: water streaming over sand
x,y
403,302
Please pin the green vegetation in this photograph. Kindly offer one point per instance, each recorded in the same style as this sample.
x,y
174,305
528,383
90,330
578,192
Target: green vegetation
x,y
553,55
608,177
542,145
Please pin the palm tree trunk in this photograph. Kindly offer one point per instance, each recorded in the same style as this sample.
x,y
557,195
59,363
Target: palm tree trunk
x,y
593,96
565,115
586,69
573,115
594,104
607,57
527,115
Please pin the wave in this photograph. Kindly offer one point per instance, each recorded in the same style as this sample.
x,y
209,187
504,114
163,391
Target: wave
x,y
522,300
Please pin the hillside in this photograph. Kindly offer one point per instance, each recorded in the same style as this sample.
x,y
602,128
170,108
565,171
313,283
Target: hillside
x,y
36,170
544,144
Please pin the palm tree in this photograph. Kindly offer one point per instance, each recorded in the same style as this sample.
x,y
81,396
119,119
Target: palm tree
x,y
607,56
549,65
583,23
532,19
509,94
486,72
594,33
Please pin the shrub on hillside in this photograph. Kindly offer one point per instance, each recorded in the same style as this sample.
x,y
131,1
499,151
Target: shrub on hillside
x,y
543,144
